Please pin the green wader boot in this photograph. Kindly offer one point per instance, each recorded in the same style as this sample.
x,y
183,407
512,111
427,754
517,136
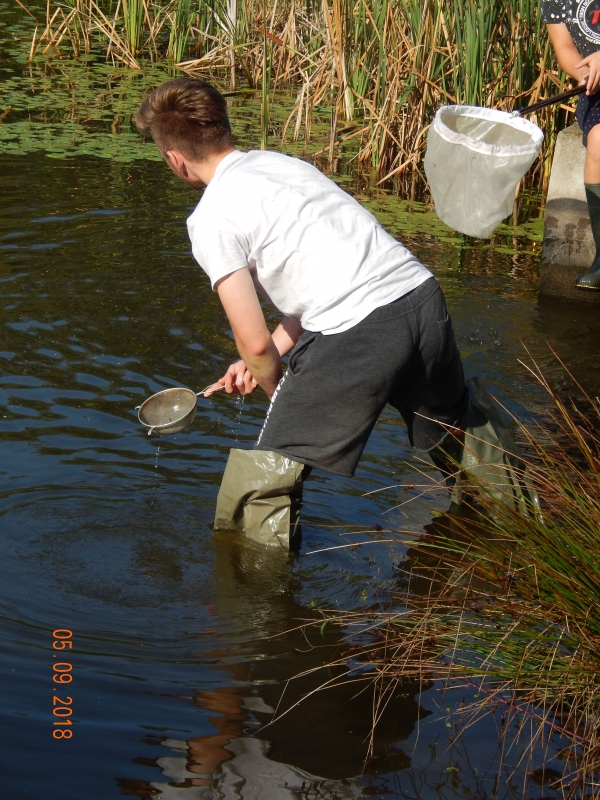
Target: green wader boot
x,y
590,280
485,460
260,496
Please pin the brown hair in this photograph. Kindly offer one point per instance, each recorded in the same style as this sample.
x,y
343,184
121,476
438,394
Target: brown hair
x,y
186,115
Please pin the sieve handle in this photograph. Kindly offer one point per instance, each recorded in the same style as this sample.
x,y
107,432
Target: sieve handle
x,y
210,385
550,101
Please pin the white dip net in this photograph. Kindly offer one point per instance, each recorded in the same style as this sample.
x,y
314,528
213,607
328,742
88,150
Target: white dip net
x,y
475,158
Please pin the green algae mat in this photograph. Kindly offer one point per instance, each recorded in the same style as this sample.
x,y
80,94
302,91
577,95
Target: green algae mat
x,y
71,108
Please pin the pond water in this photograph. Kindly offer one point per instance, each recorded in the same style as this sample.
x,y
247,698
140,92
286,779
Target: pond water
x,y
183,640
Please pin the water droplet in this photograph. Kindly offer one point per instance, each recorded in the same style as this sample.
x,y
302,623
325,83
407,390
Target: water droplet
x,y
240,401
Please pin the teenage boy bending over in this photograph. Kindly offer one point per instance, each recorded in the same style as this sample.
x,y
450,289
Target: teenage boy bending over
x,y
365,321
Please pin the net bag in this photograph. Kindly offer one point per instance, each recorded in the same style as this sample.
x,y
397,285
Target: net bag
x,y
475,158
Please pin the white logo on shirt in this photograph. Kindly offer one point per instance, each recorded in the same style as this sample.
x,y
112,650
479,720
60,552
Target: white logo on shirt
x,y
588,19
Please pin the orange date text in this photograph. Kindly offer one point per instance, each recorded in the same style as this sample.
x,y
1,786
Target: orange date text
x,y
62,674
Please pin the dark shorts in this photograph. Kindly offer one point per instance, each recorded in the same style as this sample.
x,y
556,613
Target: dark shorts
x,y
336,386
587,113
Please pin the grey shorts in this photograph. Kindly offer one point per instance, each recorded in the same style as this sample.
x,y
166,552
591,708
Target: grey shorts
x,y
336,386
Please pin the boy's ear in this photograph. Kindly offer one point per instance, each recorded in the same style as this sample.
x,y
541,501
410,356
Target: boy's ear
x,y
176,161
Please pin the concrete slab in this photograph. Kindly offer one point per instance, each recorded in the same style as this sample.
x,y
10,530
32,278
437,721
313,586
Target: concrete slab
x,y
568,247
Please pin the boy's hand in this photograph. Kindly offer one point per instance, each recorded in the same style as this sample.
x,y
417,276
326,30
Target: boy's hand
x,y
592,64
237,380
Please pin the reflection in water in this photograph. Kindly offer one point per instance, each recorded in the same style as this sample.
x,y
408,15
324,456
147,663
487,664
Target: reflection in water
x,y
303,735
249,775
317,749
178,635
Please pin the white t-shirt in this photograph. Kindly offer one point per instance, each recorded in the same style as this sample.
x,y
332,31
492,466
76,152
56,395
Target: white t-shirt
x,y
312,250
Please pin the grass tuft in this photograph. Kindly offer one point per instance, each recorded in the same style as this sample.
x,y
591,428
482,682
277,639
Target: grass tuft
x,y
506,605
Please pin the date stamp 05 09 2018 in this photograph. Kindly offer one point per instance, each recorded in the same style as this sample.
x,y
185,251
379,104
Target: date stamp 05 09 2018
x,y
63,639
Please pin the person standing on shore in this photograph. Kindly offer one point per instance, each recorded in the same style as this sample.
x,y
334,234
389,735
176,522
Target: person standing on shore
x,y
574,30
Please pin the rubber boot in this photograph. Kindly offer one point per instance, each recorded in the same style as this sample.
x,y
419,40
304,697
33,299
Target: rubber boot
x,y
590,280
260,496
483,459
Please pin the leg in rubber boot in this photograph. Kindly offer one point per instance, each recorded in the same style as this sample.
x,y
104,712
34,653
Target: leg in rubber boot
x,y
483,459
260,496
590,280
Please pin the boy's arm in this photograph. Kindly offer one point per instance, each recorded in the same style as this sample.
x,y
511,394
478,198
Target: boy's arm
x,y
239,379
254,342
286,334
569,58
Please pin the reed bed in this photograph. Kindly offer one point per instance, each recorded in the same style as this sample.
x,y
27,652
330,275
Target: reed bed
x,y
382,67
506,607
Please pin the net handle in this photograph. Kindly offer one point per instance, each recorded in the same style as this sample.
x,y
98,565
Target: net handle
x,y
550,101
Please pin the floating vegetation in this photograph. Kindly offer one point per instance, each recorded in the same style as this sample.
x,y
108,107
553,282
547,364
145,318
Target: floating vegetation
x,y
400,216
76,107
382,67
83,107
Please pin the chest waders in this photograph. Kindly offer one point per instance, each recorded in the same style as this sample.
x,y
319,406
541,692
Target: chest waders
x,y
260,496
261,491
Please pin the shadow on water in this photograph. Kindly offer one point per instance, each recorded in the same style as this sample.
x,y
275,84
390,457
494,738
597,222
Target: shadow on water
x,y
178,654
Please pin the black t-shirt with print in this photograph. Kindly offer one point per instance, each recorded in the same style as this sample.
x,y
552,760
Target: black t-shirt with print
x,y
582,18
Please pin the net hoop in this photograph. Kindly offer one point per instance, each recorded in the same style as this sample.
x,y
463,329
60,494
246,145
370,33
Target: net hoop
x,y
493,115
